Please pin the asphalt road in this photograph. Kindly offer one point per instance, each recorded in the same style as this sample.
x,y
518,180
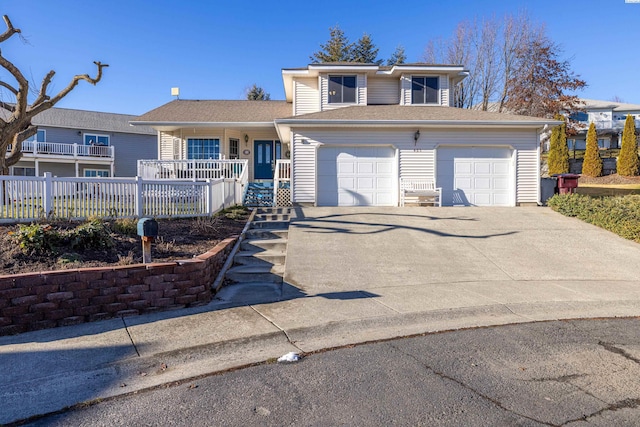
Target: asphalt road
x,y
562,373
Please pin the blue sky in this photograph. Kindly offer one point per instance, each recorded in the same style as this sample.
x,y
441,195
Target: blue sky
x,y
216,49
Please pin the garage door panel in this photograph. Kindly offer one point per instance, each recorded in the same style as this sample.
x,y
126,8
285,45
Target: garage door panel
x,y
463,167
346,168
361,176
365,167
482,183
475,176
482,168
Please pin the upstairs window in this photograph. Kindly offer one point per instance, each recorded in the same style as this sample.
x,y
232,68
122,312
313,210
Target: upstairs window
x,y
203,148
424,90
40,136
94,139
342,89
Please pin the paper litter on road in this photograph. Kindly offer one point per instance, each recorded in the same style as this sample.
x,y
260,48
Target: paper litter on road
x,y
289,357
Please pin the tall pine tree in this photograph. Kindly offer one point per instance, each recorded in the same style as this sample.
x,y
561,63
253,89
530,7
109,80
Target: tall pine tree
x,y
592,164
365,52
398,56
628,163
337,49
558,151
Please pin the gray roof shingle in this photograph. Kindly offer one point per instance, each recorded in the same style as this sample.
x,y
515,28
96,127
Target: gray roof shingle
x,y
90,120
209,111
415,113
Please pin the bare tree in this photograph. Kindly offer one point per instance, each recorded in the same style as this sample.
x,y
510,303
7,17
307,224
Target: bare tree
x,y
15,124
512,65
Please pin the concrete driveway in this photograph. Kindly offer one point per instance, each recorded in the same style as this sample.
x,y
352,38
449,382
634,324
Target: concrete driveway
x,y
488,265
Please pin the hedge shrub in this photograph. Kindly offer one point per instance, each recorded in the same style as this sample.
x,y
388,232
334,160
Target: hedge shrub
x,y
620,215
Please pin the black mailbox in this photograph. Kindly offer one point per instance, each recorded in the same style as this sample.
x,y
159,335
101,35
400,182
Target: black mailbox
x,y
147,227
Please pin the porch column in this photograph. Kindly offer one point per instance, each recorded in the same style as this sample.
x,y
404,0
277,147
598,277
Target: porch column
x,y
77,169
111,173
37,167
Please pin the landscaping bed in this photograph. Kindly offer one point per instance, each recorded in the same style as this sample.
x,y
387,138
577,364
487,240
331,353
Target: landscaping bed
x,y
59,245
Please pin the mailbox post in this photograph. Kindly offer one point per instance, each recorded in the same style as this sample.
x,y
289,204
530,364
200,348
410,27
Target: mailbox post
x,y
148,231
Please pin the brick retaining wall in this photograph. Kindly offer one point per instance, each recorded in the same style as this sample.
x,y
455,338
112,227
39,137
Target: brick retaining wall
x,y
67,297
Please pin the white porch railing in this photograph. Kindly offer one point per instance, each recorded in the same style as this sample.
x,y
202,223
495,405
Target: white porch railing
x,y
24,199
191,169
62,149
281,175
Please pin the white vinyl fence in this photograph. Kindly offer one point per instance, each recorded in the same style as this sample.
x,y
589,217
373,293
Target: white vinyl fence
x,y
24,199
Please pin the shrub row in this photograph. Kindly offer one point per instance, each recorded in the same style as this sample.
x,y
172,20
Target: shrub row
x,y
620,215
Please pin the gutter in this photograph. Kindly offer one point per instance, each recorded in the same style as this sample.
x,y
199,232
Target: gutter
x,y
204,124
422,123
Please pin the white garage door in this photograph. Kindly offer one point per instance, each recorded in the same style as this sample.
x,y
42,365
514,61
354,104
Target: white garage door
x,y
475,176
356,176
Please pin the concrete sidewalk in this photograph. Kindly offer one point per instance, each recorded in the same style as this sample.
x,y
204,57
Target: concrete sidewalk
x,y
352,275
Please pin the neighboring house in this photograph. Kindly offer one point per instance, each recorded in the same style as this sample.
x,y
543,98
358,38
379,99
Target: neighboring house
x,y
352,131
609,118
85,143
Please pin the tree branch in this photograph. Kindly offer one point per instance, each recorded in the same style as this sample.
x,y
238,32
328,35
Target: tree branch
x,y
10,31
44,105
9,87
42,96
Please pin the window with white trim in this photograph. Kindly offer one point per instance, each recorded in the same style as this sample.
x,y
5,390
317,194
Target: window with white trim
x,y
234,148
424,90
40,136
342,89
23,171
203,148
96,173
95,139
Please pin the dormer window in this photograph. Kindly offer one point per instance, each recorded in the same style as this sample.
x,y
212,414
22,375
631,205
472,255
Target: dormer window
x,y
424,90
342,89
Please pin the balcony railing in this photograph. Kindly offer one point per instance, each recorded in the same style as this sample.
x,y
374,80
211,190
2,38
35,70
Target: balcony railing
x,y
62,149
614,125
192,169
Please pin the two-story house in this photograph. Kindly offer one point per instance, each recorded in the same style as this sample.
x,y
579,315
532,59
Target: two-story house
x,y
609,118
84,143
352,131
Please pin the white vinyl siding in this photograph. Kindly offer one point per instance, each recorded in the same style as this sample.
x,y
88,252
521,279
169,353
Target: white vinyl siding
x,y
444,90
166,146
419,160
383,91
306,96
361,91
527,175
417,164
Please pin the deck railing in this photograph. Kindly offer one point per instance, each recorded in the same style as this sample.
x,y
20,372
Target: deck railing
x,y
191,169
24,199
281,175
62,149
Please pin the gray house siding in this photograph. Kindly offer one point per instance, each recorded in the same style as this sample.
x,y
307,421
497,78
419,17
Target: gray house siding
x,y
129,149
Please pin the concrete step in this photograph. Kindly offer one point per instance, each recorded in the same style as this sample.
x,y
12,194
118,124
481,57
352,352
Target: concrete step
x,y
259,258
267,233
269,224
282,211
255,273
266,244
250,293
272,217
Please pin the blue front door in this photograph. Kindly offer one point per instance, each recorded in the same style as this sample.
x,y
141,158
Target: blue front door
x,y
263,160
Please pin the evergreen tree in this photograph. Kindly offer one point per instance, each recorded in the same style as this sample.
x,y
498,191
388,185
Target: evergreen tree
x,y
398,56
337,49
365,52
592,165
256,93
558,151
628,163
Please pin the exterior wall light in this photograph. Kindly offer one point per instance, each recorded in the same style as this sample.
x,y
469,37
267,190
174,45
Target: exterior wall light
x,y
416,136
246,139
